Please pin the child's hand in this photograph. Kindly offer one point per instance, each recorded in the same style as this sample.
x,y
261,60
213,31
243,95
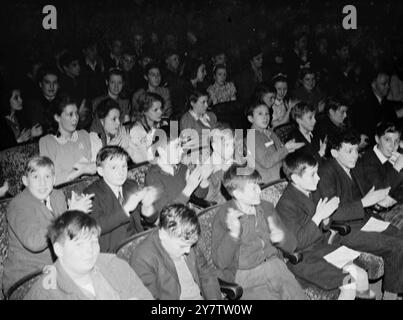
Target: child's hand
x,y
397,161
81,203
292,145
276,234
325,209
233,223
25,135
4,189
133,201
374,196
193,180
387,202
322,148
36,130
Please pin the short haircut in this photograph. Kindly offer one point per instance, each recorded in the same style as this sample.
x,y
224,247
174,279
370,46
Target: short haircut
x,y
180,221
150,66
334,104
254,105
195,95
106,106
336,141
297,162
304,71
300,109
67,58
234,179
72,224
110,152
114,72
47,70
37,162
383,128
262,90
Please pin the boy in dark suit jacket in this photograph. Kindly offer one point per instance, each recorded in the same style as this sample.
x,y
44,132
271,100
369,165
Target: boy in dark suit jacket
x,y
169,264
116,199
337,179
308,221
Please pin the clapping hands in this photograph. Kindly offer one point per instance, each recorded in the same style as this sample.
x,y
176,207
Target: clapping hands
x,y
80,202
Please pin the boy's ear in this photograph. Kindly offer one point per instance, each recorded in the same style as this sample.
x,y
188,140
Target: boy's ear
x,y
294,178
25,180
334,153
100,171
57,118
57,248
145,78
250,119
376,139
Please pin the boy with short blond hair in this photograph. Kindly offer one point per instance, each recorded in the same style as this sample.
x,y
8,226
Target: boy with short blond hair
x,y
29,215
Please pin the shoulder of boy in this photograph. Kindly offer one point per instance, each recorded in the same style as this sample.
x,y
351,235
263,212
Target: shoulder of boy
x,y
49,280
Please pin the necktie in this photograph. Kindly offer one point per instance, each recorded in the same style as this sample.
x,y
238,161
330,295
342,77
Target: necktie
x,y
120,198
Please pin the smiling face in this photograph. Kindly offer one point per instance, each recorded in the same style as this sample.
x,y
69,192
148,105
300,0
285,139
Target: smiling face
x,y
309,81
307,121
154,77
78,255
154,114
115,84
269,99
40,182
111,122
68,120
114,171
260,117
16,100
309,179
388,143
347,155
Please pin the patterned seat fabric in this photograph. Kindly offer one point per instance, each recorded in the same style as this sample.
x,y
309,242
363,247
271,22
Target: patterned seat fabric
x,y
283,131
3,239
373,264
125,251
12,164
273,192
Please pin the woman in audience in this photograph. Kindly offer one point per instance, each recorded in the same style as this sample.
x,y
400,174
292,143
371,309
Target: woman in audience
x,y
281,107
72,151
12,131
142,133
308,91
107,126
221,90
195,72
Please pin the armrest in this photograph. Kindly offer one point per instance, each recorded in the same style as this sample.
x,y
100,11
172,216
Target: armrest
x,y
231,290
342,228
201,203
294,258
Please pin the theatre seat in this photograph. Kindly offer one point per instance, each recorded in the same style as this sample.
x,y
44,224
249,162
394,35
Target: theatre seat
x,y
12,164
21,287
3,239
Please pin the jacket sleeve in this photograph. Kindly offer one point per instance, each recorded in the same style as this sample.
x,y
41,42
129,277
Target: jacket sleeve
x,y
107,220
289,243
208,277
146,271
304,229
267,157
29,230
224,246
327,187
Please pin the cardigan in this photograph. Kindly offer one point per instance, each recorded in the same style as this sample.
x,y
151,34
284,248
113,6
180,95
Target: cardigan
x,y
158,272
28,221
56,284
